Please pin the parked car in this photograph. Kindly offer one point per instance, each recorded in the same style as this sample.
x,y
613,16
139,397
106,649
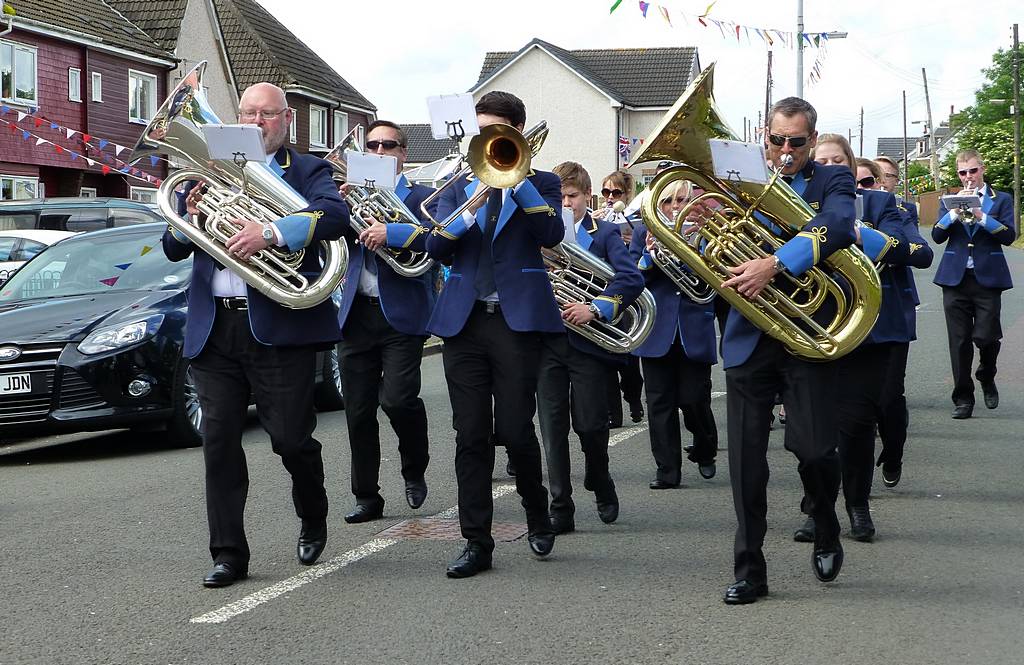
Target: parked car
x,y
75,214
91,333
16,247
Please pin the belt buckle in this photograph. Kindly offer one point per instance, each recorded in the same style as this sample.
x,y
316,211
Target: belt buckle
x,y
491,307
235,303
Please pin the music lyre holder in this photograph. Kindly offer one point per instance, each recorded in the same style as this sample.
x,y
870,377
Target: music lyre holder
x,y
456,133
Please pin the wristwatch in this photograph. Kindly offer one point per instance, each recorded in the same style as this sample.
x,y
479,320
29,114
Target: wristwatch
x,y
268,234
594,310
779,266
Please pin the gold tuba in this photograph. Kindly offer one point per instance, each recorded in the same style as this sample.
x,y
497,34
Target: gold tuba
x,y
577,275
382,205
733,235
249,190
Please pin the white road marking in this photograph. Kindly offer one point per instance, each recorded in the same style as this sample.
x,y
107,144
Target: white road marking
x,y
254,600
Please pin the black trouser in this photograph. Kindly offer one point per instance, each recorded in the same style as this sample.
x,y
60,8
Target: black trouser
x,y
861,375
893,417
809,394
673,383
489,361
972,319
381,367
573,382
231,365
630,381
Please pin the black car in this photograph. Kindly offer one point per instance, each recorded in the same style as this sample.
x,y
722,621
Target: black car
x,y
91,333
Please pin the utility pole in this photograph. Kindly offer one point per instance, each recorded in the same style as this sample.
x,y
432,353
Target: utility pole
x,y
860,153
933,160
800,47
906,185
1016,128
849,135
767,92
745,126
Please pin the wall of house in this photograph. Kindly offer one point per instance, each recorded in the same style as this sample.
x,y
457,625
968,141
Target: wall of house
x,y
197,41
301,106
640,124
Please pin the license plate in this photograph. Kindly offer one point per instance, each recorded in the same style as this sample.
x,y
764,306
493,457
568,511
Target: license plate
x,y
11,384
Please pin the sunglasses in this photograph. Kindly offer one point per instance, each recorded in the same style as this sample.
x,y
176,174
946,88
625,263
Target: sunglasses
x,y
678,199
794,141
611,192
867,183
387,145
972,171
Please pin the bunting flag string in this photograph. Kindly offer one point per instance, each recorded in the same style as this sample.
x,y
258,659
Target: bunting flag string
x,y
626,146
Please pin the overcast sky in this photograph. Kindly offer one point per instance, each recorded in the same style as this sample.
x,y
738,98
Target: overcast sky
x,y
399,52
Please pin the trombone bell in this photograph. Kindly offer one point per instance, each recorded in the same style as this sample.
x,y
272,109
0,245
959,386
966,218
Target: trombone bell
x,y
499,156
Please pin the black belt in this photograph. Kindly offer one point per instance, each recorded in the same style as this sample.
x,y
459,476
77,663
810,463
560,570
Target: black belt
x,y
373,300
488,306
239,303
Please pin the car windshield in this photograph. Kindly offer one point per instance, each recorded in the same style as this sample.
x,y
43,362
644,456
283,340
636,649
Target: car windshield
x,y
98,263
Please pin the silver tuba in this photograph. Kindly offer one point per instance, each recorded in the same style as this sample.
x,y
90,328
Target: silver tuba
x,y
693,287
380,204
576,275
249,190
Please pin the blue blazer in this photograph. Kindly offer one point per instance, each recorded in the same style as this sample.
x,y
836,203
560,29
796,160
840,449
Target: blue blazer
x,y
604,240
325,218
831,191
406,301
984,241
529,219
677,315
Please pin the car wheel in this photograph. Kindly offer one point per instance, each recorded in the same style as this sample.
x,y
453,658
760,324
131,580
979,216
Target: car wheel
x,y
329,395
184,429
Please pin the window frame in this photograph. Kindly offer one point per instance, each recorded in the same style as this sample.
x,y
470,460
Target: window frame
x,y
14,99
96,89
75,91
20,178
142,76
322,111
88,192
292,128
132,191
338,135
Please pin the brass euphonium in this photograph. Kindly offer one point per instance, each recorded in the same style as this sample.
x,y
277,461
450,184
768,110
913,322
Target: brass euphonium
x,y
380,204
248,190
734,235
693,287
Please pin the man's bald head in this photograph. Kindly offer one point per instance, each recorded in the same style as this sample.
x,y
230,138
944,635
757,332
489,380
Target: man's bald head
x,y
265,105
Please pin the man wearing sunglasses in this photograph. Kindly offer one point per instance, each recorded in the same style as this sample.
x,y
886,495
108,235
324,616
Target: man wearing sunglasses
x,y
757,367
383,318
973,274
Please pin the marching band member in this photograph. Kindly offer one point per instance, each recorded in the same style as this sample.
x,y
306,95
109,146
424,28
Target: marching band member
x,y
757,366
383,318
242,343
677,358
492,313
573,370
973,275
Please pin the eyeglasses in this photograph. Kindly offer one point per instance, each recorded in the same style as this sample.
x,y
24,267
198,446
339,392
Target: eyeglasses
x,y
387,145
867,183
794,141
972,171
266,115
611,192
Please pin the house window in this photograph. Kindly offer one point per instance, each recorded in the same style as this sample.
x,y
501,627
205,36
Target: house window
x,y
143,194
74,84
291,127
340,126
17,73
317,127
87,192
15,187
141,96
97,87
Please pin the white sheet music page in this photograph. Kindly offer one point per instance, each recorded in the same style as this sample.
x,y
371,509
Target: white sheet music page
x,y
235,142
738,161
367,169
452,116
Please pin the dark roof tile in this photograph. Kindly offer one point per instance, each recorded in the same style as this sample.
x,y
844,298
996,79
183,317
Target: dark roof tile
x,y
423,147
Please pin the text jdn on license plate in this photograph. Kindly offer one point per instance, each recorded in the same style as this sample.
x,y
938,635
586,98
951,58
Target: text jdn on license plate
x,y
15,383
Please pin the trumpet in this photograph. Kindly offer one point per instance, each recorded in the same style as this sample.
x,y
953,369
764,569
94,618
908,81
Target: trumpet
x,y
382,205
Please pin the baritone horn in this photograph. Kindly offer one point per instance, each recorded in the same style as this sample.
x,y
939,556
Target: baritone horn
x,y
735,233
243,190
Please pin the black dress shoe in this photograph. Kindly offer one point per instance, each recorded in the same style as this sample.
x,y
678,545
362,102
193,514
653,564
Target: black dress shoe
x,y
991,395
636,412
563,523
861,526
805,534
473,560
365,512
962,411
707,470
891,474
659,484
223,574
415,492
541,542
744,592
510,468
608,506
614,424
827,561
312,541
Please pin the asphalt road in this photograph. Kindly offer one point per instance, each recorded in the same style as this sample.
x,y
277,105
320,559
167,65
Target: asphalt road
x,y
103,542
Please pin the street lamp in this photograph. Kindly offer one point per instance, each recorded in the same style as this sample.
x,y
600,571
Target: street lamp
x,y
800,46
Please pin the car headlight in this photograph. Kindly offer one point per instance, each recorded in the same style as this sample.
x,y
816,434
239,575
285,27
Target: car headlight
x,y
118,337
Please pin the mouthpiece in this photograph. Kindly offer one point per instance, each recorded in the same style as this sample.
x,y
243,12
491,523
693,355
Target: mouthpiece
x,y
785,160
618,207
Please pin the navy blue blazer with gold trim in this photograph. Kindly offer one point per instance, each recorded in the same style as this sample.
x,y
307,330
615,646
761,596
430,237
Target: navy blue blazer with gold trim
x,y
984,241
831,191
677,315
529,219
406,301
325,218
